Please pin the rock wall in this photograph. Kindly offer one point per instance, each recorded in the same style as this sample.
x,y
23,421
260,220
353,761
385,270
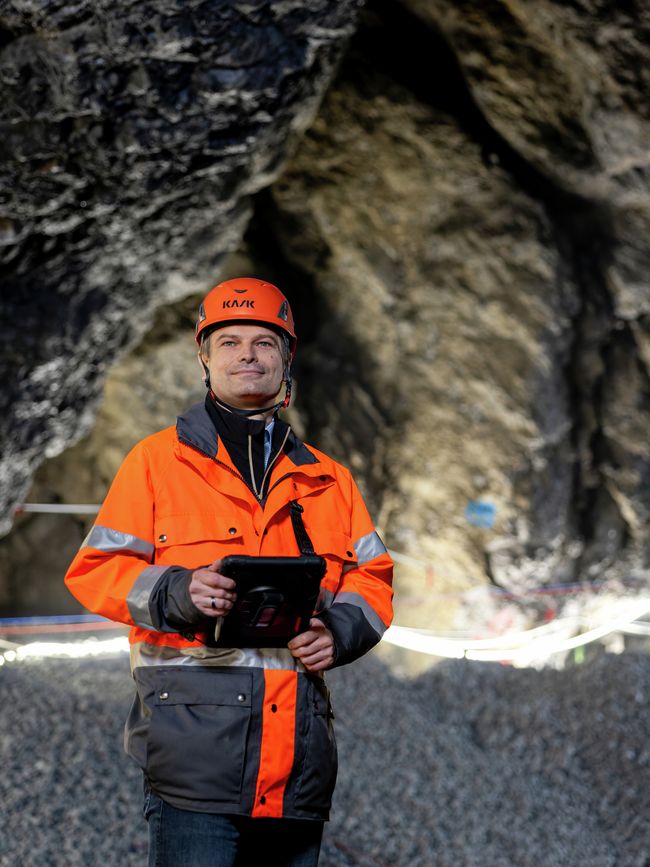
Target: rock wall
x,y
446,327
132,138
563,89
142,393
484,351
462,232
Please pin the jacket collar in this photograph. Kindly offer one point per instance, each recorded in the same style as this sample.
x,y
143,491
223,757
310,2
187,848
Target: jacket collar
x,y
196,429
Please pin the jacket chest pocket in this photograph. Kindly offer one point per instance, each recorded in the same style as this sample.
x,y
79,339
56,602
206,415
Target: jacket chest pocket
x,y
198,734
194,540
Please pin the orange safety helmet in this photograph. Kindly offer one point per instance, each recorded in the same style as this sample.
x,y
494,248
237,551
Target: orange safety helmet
x,y
246,299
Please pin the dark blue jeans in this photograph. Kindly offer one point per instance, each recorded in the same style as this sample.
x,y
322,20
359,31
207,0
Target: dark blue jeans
x,y
182,838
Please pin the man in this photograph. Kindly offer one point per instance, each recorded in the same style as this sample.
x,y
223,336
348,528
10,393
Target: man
x,y
236,744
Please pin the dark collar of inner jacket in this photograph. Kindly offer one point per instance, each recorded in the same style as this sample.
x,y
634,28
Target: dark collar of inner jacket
x,y
233,431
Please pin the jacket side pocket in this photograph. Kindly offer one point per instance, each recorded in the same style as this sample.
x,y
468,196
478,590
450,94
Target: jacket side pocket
x,y
198,734
317,778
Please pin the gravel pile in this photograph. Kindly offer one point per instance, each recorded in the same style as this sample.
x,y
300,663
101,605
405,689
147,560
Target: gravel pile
x,y
468,765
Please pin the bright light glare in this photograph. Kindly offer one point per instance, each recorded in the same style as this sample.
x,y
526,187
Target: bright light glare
x,y
402,636
40,649
524,648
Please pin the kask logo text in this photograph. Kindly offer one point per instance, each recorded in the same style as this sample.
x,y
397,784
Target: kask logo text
x,y
234,302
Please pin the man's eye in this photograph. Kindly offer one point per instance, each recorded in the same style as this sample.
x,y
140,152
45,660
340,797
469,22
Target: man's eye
x,y
265,343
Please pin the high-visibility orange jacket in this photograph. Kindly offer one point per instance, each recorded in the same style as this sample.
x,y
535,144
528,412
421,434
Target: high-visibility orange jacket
x,y
241,731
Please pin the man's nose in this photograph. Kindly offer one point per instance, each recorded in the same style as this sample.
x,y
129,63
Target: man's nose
x,y
248,352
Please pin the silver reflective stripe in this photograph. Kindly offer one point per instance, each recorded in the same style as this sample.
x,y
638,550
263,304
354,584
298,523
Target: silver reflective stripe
x,y
368,611
276,658
368,547
113,542
140,593
325,599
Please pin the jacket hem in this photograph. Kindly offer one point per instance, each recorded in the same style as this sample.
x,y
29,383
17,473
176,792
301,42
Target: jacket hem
x,y
231,808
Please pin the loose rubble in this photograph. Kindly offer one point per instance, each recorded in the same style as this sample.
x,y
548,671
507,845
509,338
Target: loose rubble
x,y
467,765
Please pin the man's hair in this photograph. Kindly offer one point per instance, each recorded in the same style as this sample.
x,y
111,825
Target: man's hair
x,y
285,344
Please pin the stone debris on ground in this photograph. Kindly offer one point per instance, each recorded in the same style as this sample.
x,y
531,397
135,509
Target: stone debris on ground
x,y
467,765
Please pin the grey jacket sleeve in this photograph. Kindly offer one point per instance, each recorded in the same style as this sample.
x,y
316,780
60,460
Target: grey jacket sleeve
x,y
353,634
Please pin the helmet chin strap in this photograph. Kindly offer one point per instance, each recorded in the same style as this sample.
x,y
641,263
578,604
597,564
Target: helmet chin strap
x,y
246,413
287,394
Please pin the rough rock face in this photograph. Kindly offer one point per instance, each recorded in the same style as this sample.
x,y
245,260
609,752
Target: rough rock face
x,y
563,88
131,140
462,233
143,393
566,85
446,355
483,358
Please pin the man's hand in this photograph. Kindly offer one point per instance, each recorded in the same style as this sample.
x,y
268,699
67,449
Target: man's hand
x,y
314,648
211,592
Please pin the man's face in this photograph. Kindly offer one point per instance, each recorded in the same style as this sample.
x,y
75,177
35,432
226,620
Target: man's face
x,y
246,364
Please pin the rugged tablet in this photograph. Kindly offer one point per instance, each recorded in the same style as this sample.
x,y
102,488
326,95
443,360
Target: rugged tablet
x,y
276,596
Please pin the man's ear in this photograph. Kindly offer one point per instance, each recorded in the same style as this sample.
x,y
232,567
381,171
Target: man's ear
x,y
205,372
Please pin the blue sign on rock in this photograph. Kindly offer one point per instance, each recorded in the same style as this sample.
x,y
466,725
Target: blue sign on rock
x,y
479,513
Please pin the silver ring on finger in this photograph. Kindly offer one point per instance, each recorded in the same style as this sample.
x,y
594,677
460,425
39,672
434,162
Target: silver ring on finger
x,y
213,603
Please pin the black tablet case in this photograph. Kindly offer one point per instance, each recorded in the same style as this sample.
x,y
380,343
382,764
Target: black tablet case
x,y
276,597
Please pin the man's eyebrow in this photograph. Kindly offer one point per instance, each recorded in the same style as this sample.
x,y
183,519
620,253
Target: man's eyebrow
x,y
262,334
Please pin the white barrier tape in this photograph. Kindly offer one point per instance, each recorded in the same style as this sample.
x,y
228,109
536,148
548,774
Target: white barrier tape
x,y
478,650
59,508
522,648
636,629
542,649
8,645
72,649
556,627
455,648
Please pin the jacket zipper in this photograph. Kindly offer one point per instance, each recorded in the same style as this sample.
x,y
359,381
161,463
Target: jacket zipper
x,y
259,499
271,462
